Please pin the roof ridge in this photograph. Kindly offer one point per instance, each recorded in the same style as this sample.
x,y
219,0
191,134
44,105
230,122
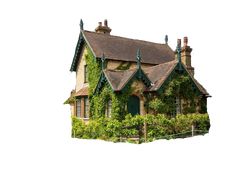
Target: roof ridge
x,y
159,65
114,70
114,36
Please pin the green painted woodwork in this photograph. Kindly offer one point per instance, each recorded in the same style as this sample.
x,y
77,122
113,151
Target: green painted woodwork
x,y
133,105
78,49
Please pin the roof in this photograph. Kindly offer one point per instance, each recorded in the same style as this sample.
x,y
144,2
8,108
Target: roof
x,y
82,92
158,74
118,79
124,49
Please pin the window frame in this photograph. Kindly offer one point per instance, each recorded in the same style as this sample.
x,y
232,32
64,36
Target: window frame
x,y
178,105
86,107
85,74
108,108
78,107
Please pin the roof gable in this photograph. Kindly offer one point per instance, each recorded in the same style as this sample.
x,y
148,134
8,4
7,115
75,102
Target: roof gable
x,y
118,80
78,51
159,75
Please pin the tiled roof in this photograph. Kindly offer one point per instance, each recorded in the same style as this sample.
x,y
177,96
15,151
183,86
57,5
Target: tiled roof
x,y
156,74
118,79
124,49
159,73
82,92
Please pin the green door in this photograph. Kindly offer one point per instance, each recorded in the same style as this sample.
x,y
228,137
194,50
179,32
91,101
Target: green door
x,y
133,105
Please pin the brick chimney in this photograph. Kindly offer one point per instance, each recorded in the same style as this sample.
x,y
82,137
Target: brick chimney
x,y
186,56
103,29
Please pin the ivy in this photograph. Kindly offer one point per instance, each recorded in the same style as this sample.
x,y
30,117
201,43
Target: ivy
x,y
99,101
124,66
181,86
94,70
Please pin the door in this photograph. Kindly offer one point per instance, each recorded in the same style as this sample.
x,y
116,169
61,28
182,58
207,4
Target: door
x,y
133,105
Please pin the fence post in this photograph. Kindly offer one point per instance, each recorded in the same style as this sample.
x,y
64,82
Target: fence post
x,y
192,130
145,131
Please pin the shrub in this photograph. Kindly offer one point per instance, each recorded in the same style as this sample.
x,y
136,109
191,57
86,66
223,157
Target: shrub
x,y
150,127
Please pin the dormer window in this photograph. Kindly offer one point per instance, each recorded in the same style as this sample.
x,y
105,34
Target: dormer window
x,y
85,74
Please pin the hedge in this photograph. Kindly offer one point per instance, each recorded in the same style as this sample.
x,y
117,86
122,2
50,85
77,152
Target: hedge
x,y
141,128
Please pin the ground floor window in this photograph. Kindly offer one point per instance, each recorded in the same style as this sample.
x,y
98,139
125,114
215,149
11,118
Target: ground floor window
x,y
86,107
82,107
78,107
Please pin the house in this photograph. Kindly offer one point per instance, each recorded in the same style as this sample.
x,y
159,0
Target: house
x,y
116,76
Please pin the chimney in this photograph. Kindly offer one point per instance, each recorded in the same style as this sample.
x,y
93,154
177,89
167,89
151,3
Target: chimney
x,y
103,29
186,56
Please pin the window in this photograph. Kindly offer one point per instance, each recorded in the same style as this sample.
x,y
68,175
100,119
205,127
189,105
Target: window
x,y
78,108
85,74
178,105
86,107
108,109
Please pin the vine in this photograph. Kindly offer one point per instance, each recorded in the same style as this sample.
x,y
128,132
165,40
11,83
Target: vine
x,y
99,101
179,86
124,66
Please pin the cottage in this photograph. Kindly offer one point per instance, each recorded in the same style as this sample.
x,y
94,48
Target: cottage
x,y
116,76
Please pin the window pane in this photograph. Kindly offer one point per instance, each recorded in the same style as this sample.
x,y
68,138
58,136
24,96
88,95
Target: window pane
x,y
109,108
86,107
78,108
178,105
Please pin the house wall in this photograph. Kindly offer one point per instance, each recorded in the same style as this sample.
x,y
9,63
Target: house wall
x,y
80,71
144,65
138,88
72,109
113,64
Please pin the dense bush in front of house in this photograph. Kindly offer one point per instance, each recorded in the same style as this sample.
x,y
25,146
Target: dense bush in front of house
x,y
141,128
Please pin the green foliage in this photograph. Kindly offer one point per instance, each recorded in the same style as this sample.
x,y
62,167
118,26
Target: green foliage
x,y
177,86
98,102
158,106
94,70
132,127
124,66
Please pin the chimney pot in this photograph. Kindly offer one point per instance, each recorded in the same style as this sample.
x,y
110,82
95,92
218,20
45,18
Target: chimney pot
x,y
99,23
185,41
105,23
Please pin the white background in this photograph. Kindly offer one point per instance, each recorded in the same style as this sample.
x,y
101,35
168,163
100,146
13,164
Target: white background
x,y
37,43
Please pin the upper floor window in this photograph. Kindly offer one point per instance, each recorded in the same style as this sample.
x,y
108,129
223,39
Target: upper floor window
x,y
85,74
178,105
108,109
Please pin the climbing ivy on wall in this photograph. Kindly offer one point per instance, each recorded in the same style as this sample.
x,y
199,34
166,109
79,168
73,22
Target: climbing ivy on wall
x,y
119,102
99,101
178,85
94,70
